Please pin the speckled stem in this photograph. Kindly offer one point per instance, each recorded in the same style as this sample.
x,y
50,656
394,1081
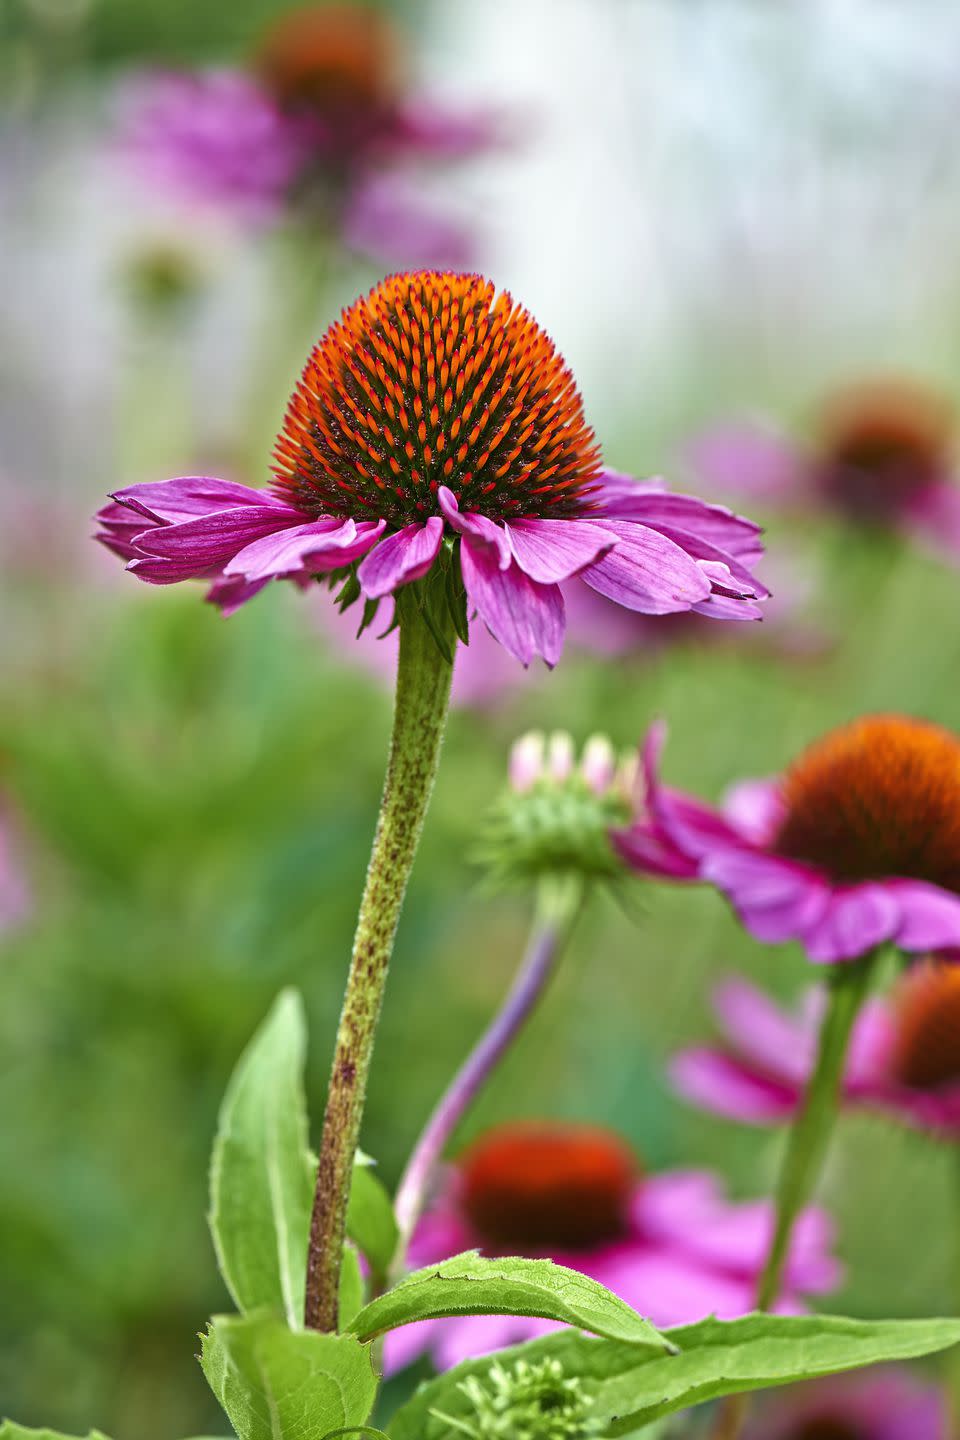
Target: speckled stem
x,y
559,902
422,698
807,1143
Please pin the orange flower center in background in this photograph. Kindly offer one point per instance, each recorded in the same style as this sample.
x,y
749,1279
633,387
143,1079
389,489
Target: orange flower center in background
x,y
927,1052
543,1187
878,798
435,379
331,59
881,444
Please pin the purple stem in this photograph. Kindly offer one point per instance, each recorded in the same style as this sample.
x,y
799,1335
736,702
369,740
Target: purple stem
x,y
557,911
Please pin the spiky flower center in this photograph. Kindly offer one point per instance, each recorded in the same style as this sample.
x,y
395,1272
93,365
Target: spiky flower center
x,y
877,799
927,1053
541,1187
330,60
434,379
881,445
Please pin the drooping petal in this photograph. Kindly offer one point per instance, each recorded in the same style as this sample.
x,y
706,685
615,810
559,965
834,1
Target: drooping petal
x,y
231,591
483,532
317,546
725,571
647,572
527,618
756,808
169,501
854,920
553,550
776,899
725,1086
626,499
929,916
400,558
782,1044
207,541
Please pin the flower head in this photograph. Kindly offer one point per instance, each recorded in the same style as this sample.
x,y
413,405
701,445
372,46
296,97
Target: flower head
x,y
881,455
436,422
525,1402
668,1243
886,1404
859,843
904,1056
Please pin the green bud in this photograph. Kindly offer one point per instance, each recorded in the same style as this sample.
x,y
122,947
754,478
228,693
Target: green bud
x,y
526,1402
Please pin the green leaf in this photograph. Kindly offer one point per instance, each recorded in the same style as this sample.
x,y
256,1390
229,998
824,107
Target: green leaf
x,y
715,1358
10,1430
371,1223
280,1384
470,1285
357,1430
262,1174
352,1289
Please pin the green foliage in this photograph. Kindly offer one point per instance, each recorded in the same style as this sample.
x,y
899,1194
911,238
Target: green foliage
x,y
712,1359
371,1223
278,1384
352,1288
471,1285
10,1430
262,1175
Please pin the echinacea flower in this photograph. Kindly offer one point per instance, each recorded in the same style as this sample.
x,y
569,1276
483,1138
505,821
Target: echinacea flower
x,y
889,1404
437,420
882,456
317,125
670,1244
904,1056
857,844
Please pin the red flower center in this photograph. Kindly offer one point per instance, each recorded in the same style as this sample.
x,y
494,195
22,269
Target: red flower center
x,y
927,1053
546,1187
877,799
434,379
881,445
335,61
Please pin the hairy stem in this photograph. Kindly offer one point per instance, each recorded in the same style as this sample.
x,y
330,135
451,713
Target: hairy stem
x,y
559,902
423,693
807,1144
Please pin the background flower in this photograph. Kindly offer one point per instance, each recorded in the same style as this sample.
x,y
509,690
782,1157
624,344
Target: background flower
x,y
878,1405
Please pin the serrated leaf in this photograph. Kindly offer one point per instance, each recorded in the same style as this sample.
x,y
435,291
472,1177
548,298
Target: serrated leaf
x,y
10,1430
471,1285
262,1174
715,1358
280,1384
352,1288
371,1223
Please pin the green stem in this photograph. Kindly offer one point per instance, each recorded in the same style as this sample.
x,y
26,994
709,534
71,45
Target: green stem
x,y
423,693
807,1143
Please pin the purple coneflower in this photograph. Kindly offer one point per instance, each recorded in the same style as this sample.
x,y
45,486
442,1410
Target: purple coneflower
x,y
883,1405
669,1243
437,423
904,1056
857,844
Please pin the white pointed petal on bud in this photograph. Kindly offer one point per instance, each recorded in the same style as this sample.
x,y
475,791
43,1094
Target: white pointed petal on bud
x,y
560,756
527,761
598,764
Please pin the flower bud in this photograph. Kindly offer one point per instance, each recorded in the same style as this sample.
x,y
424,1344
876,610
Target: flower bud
x,y
525,1402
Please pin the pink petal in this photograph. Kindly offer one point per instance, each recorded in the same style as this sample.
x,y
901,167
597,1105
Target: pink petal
x,y
776,899
527,618
212,539
721,567
319,545
756,808
854,921
714,523
483,532
929,916
401,558
647,849
229,593
781,1044
647,572
170,501
721,1084
553,550
462,1339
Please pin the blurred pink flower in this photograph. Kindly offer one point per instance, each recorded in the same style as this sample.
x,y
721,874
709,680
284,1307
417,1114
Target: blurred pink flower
x,y
15,898
904,1055
886,1404
317,124
847,850
669,1244
883,457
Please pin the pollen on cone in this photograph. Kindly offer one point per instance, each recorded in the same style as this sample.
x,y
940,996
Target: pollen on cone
x,y
434,379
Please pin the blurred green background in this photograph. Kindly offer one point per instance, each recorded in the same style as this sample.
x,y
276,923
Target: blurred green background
x,y
195,798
